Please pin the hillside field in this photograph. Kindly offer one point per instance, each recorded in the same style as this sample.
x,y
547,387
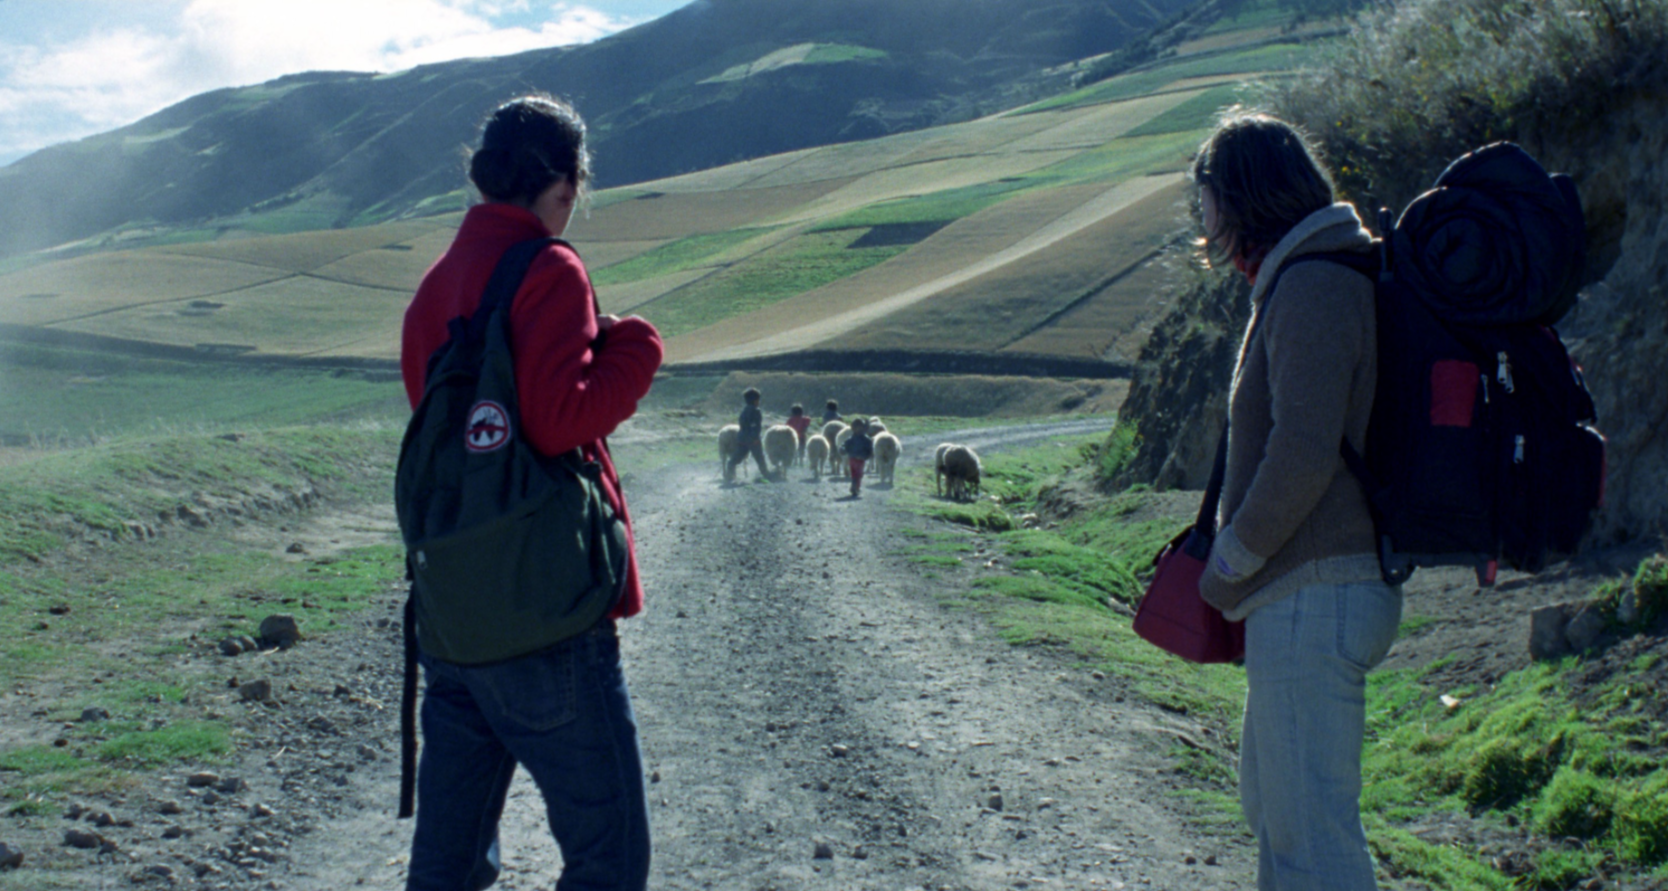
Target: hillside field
x,y
1029,231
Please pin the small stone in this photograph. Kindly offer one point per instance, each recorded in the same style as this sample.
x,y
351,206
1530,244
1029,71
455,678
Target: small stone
x,y
201,779
10,858
256,691
261,810
231,785
994,802
343,690
822,786
367,753
161,870
1210,859
838,751
74,811
1190,860
823,851
250,645
59,609
280,631
80,838
654,777
60,742
296,548
1627,611
1546,632
95,713
173,832
231,646
101,819
859,853
170,807
211,797
1583,631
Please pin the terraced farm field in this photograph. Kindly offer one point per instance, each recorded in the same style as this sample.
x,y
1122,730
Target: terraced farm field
x,y
1035,231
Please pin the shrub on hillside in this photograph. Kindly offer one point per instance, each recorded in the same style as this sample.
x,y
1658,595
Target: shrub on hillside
x,y
1575,804
1420,82
1650,589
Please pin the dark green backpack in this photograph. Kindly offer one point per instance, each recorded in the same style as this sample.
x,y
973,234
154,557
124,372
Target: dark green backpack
x,y
510,551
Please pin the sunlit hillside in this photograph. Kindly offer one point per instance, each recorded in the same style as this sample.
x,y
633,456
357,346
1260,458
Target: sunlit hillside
x,y
1032,231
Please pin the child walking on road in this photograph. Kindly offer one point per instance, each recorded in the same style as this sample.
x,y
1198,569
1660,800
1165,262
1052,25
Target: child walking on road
x,y
798,420
858,449
751,439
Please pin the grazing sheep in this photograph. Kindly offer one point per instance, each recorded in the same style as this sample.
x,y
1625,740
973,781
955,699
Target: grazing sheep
x,y
938,466
835,452
876,428
781,445
816,452
962,471
727,437
887,450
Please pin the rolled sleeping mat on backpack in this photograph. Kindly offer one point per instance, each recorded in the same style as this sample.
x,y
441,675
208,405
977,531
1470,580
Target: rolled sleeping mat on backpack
x,y
1497,241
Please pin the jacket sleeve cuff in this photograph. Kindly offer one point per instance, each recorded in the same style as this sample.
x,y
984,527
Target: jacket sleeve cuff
x,y
1230,558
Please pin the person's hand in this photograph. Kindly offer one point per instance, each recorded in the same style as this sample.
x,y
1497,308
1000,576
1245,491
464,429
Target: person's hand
x,y
606,322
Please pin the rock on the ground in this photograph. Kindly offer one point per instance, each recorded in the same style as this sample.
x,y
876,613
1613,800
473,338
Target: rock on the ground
x,y
280,630
231,646
823,851
201,779
256,691
1584,629
10,858
80,838
1546,632
94,714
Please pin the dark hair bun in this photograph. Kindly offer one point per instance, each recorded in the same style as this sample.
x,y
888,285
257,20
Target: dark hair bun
x,y
528,145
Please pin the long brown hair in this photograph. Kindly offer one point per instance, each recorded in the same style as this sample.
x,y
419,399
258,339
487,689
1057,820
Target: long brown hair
x,y
1265,177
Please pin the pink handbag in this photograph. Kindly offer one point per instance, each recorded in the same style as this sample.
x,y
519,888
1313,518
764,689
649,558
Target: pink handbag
x,y
1173,616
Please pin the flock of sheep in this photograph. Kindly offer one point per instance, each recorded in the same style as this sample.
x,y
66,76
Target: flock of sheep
x,y
956,468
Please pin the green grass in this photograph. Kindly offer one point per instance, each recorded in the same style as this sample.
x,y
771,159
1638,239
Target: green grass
x,y
56,394
685,253
804,264
1198,113
1278,57
944,206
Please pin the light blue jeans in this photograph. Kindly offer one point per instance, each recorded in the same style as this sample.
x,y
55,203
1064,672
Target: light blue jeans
x,y
1306,663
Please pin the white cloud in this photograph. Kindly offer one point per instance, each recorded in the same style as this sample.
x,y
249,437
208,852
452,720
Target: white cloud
x,y
108,78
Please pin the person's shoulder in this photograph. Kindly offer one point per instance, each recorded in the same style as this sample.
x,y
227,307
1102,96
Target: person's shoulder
x,y
558,260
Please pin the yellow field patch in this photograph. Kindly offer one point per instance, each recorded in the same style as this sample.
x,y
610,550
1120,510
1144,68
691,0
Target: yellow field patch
x,y
1007,303
1100,124
100,283
307,251
399,268
1113,323
298,315
676,215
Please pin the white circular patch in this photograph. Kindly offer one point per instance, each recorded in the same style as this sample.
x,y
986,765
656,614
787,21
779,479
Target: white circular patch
x,y
489,427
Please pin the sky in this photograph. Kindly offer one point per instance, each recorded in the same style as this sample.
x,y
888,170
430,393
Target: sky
x,y
72,68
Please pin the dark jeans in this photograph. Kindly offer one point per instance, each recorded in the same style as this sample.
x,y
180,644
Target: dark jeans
x,y
754,448
563,714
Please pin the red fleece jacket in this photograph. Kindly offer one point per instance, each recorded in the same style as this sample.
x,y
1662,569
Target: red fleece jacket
x,y
571,395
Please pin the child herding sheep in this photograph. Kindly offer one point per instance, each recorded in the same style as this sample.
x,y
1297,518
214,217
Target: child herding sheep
x,y
887,450
961,472
749,436
858,448
781,446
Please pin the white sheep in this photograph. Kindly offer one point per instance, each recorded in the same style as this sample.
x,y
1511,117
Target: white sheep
x,y
837,450
962,471
816,452
727,437
938,466
831,434
887,450
876,428
781,445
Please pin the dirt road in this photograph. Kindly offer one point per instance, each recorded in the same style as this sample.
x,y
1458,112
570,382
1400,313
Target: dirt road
x,y
814,714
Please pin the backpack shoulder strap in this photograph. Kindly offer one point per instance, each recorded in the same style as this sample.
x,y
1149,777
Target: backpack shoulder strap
x,y
508,274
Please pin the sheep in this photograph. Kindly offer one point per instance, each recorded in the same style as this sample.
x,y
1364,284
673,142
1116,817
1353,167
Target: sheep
x,y
781,445
962,471
876,428
816,452
841,469
830,434
887,450
727,437
938,466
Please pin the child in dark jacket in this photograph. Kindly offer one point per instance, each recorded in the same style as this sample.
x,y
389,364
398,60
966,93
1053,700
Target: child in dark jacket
x,y
858,449
751,439
831,411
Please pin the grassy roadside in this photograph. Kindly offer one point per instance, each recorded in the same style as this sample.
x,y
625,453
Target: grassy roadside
x,y
1551,788
121,568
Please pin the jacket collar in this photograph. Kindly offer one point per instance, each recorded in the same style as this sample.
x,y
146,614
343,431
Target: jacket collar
x,y
1333,228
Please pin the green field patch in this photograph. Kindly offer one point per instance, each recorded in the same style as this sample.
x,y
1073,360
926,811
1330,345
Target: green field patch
x,y
941,207
1123,159
685,253
174,743
801,265
798,54
1198,113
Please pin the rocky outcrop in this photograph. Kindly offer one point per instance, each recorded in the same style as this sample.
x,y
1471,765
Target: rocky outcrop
x,y
1619,330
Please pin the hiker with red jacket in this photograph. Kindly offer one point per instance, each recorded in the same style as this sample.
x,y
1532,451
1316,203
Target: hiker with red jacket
x,y
562,713
1296,557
